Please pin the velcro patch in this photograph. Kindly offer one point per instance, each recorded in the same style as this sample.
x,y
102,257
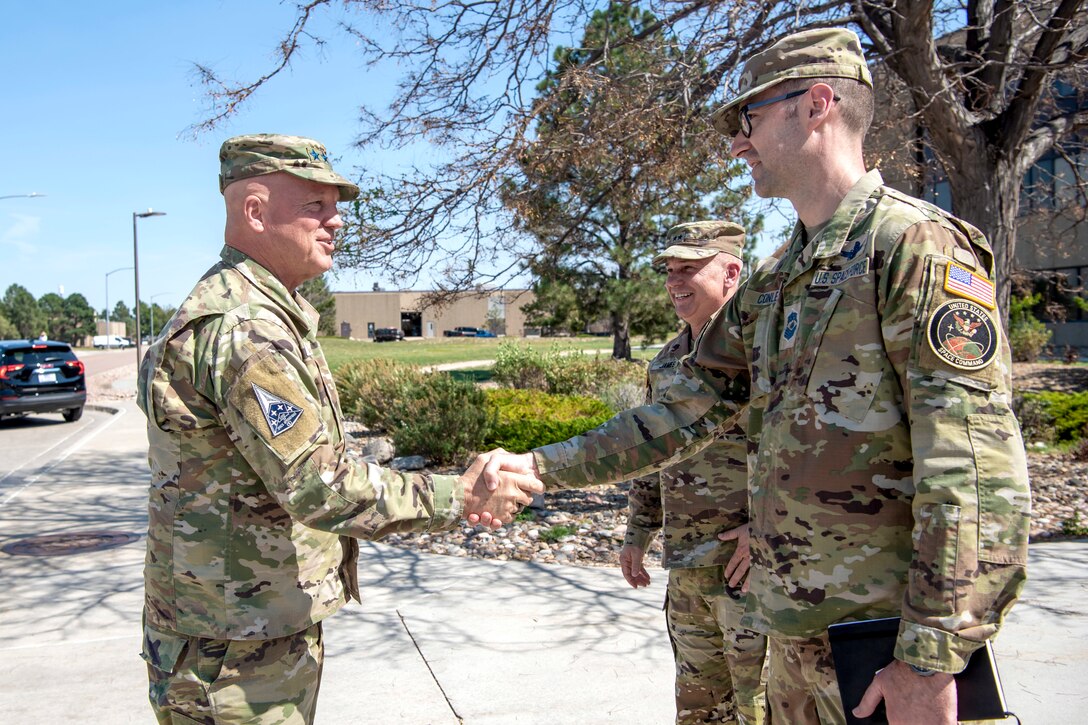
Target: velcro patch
x,y
963,335
280,415
791,327
767,298
962,282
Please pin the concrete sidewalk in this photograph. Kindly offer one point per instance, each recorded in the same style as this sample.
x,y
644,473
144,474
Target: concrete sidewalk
x,y
437,640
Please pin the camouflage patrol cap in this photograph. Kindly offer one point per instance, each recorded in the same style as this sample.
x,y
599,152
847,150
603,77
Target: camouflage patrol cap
x,y
265,153
823,53
699,240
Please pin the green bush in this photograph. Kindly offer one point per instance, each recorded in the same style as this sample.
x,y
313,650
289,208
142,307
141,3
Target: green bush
x,y
563,371
527,419
1028,337
430,415
1065,413
370,388
440,418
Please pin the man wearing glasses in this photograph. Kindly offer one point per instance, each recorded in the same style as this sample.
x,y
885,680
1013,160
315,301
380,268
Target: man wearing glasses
x,y
887,474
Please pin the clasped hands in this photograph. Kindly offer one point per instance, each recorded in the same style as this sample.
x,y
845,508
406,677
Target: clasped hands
x,y
497,486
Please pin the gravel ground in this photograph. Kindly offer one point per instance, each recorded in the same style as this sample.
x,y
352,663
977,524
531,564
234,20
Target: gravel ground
x,y
585,527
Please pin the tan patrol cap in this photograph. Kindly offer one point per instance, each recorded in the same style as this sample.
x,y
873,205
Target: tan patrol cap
x,y
699,240
265,153
823,53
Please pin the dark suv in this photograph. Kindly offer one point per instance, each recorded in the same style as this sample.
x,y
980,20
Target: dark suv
x,y
388,334
41,376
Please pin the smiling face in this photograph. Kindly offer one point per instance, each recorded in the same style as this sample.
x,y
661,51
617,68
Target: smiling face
x,y
698,287
287,224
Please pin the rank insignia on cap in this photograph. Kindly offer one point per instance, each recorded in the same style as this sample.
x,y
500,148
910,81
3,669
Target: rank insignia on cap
x,y
278,413
963,335
962,282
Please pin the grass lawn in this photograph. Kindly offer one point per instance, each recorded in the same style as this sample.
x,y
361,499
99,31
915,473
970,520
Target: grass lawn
x,y
458,349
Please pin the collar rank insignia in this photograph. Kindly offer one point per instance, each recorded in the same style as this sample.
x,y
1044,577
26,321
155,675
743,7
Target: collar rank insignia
x,y
278,413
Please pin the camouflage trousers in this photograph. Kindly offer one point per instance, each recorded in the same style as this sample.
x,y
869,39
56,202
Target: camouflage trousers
x,y
223,681
801,687
719,666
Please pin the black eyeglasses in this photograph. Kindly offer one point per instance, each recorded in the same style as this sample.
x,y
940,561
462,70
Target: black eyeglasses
x,y
746,120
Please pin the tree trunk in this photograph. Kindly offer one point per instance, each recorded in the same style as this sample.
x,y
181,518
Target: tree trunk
x,y
987,195
621,338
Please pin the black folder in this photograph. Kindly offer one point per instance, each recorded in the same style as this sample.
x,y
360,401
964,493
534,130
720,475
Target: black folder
x,y
860,649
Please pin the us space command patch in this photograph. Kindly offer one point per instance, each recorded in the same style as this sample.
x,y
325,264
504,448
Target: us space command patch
x,y
963,335
278,413
962,282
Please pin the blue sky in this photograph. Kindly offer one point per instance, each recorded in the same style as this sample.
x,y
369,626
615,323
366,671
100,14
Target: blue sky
x,y
98,98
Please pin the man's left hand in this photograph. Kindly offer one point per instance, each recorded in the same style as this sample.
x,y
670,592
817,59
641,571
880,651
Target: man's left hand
x,y
736,570
910,698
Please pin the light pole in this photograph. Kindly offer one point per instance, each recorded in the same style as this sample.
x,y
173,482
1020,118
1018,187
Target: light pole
x,y
151,309
31,195
109,336
136,273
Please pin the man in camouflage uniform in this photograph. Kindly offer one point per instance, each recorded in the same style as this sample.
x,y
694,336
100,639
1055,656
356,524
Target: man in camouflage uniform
x,y
253,504
887,474
719,664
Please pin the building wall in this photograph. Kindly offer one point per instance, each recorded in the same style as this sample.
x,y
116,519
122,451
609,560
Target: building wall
x,y
384,309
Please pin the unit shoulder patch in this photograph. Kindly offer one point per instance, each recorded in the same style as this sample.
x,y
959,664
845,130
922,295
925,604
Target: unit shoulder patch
x,y
962,282
280,415
963,335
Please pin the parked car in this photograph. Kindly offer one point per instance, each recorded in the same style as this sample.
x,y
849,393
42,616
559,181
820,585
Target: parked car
x,y
485,333
388,334
41,376
102,341
462,331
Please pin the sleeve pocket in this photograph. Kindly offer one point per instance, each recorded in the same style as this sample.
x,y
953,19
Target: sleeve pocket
x,y
163,650
1004,499
933,571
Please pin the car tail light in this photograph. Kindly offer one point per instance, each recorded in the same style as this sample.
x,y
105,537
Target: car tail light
x,y
7,370
77,364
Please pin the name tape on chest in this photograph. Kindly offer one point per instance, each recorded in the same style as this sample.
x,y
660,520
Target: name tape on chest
x,y
280,415
767,298
832,277
962,282
963,335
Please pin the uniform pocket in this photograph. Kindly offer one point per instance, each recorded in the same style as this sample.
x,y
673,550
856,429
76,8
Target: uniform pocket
x,y
844,358
1004,499
164,650
933,570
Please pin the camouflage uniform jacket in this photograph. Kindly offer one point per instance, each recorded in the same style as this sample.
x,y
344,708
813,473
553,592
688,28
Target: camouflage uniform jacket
x,y
253,502
695,501
887,473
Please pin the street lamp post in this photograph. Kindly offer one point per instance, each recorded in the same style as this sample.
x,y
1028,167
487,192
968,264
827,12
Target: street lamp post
x,y
136,273
108,335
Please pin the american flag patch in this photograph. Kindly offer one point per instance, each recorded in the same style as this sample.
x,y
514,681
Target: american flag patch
x,y
962,282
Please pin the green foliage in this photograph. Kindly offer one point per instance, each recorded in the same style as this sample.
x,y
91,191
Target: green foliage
x,y
440,418
556,533
7,330
431,415
21,310
527,419
1053,417
1027,335
563,370
317,293
1074,527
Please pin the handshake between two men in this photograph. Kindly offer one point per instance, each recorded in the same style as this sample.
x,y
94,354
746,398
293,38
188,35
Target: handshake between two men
x,y
498,485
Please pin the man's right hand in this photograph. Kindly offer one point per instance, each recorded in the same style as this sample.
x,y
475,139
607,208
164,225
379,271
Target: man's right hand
x,y
631,565
496,506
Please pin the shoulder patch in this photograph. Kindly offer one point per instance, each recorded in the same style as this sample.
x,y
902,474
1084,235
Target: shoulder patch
x,y
963,335
962,282
280,415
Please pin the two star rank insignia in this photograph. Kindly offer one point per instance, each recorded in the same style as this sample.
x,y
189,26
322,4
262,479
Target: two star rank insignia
x,y
278,413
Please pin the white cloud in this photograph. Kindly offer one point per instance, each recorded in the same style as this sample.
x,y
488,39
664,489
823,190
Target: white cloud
x,y
20,234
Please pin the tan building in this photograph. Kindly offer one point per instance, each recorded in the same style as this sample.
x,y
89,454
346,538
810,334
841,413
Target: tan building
x,y
358,314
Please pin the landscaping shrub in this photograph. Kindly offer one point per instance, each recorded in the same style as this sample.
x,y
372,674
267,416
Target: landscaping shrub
x,y
1053,417
1028,336
441,419
567,372
370,388
527,419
